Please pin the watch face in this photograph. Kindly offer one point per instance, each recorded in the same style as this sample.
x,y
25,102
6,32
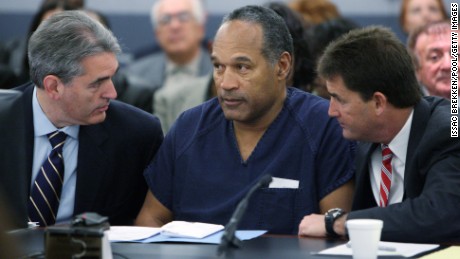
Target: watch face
x,y
335,212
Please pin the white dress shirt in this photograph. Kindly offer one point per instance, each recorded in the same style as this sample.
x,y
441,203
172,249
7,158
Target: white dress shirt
x,y
398,147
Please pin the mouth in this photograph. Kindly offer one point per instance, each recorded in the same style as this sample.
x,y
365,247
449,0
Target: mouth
x,y
103,108
231,102
444,79
341,124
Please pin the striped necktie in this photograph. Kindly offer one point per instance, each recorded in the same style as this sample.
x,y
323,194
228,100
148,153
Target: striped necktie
x,y
46,191
385,174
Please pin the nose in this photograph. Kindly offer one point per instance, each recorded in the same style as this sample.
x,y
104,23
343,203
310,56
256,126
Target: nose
x,y
446,61
228,80
175,23
332,111
110,92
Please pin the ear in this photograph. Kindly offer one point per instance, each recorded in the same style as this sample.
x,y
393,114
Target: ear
x,y
284,66
53,86
380,102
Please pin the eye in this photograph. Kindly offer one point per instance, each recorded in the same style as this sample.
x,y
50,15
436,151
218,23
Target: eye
x,y
434,9
415,10
242,68
218,67
433,57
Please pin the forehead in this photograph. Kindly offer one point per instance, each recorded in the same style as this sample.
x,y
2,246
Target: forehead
x,y
417,3
429,40
238,36
174,6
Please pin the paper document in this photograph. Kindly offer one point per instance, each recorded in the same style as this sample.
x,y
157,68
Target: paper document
x,y
211,239
189,229
450,252
128,233
154,235
400,249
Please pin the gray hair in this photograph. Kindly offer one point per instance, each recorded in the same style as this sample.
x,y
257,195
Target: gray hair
x,y
276,36
198,11
61,42
433,28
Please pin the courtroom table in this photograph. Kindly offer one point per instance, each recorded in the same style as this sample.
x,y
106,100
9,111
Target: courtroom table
x,y
31,242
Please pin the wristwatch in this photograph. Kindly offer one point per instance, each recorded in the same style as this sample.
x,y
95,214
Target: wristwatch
x,y
329,218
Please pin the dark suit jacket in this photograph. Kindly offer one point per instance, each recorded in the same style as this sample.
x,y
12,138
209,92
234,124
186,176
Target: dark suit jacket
x,y
111,158
430,210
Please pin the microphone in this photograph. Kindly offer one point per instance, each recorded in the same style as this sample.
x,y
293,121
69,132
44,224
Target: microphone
x,y
228,237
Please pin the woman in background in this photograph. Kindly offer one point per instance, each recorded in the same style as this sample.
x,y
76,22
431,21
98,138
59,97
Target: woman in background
x,y
416,13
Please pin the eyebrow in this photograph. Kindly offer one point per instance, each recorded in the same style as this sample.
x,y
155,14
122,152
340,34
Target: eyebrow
x,y
333,94
236,59
99,80
242,59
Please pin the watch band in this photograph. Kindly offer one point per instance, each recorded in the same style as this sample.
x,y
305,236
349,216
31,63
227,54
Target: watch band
x,y
329,218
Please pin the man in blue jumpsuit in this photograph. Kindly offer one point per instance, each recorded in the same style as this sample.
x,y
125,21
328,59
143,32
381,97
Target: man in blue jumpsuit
x,y
215,152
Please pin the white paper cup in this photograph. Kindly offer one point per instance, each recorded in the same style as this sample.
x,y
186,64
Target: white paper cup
x,y
365,237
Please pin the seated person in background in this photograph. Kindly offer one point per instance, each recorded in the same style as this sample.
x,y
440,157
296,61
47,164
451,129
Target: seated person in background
x,y
319,36
18,60
103,146
216,152
183,96
416,13
407,165
315,11
179,29
429,47
302,73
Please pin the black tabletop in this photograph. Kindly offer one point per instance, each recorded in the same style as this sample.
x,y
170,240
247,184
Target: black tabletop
x,y
31,245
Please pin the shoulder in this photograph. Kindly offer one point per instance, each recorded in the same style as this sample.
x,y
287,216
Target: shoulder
x,y
433,114
306,105
24,87
196,122
125,116
310,111
202,116
437,113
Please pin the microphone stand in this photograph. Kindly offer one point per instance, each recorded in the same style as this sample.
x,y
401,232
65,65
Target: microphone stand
x,y
229,239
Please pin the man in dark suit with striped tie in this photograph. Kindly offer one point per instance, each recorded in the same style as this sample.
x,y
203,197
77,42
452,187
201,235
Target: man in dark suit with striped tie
x,y
102,146
407,163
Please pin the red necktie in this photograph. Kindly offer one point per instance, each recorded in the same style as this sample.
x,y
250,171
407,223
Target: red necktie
x,y
385,174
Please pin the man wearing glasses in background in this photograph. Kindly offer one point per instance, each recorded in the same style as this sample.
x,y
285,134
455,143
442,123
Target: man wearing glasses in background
x,y
179,30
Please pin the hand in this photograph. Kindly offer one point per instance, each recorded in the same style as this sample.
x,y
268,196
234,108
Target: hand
x,y
312,225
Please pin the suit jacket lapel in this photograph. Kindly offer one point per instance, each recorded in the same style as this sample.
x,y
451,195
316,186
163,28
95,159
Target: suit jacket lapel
x,y
419,123
29,125
92,166
363,197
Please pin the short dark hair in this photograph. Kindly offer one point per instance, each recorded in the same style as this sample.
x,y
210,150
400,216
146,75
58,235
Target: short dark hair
x,y
276,36
372,60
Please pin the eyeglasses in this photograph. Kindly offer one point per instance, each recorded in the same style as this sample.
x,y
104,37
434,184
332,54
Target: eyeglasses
x,y
182,17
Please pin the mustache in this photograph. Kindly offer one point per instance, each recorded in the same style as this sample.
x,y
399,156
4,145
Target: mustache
x,y
231,96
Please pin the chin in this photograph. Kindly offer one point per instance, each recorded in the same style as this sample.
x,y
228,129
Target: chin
x,y
348,135
97,119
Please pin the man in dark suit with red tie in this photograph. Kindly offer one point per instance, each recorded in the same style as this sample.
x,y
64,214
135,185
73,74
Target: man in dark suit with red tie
x,y
104,145
408,166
